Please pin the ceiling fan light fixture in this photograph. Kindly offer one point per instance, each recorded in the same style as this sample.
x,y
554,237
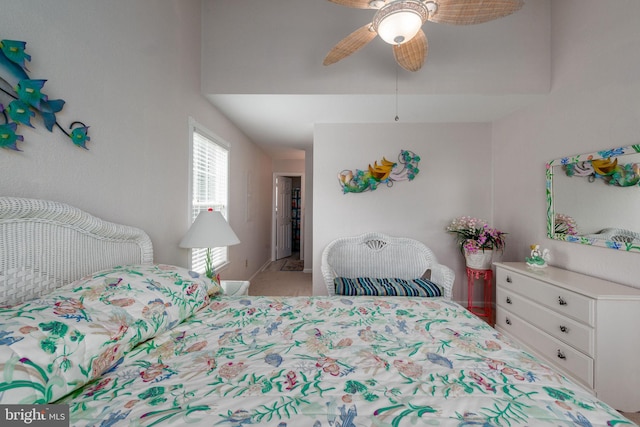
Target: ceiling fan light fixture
x,y
399,21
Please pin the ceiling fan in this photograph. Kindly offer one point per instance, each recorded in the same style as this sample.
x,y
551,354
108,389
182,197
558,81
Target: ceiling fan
x,y
399,23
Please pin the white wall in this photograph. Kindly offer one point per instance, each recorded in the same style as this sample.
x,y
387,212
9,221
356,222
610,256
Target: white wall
x,y
454,180
308,216
288,165
131,71
593,105
278,47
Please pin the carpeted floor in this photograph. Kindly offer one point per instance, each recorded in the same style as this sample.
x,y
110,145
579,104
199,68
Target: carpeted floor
x,y
633,416
279,280
293,265
279,265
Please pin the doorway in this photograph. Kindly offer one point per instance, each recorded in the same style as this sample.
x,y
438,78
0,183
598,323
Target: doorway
x,y
288,216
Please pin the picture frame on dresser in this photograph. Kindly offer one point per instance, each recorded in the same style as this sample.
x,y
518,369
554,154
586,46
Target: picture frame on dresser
x,y
586,327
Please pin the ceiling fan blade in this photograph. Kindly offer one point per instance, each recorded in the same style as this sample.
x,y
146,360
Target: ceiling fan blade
x,y
360,4
350,44
411,55
467,12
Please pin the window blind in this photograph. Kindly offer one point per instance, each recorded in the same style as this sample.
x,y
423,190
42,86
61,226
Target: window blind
x,y
210,188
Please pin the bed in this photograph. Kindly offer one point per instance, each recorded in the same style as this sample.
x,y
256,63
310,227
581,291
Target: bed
x,y
134,343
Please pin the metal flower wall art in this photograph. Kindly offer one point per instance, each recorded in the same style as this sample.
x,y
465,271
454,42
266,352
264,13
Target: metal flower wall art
x,y
21,97
386,172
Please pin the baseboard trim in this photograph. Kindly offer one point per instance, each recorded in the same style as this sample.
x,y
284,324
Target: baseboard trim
x,y
261,269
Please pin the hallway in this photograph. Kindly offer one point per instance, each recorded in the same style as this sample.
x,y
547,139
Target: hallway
x,y
274,281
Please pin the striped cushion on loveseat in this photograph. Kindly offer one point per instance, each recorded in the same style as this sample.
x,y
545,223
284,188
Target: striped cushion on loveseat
x,y
386,287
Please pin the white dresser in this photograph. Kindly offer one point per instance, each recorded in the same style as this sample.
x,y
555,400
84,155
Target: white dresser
x,y
589,328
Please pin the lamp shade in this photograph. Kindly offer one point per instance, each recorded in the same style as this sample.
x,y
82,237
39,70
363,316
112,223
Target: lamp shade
x,y
399,21
209,230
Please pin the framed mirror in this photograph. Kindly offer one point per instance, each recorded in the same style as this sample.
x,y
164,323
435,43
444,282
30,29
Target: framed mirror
x,y
594,198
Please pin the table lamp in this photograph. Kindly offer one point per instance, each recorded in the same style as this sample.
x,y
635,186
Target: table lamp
x,y
209,230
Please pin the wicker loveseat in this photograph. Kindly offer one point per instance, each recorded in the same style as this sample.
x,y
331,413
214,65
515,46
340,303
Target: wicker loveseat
x,y
381,256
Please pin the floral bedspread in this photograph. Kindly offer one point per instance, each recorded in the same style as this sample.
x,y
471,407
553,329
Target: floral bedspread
x,y
53,345
333,361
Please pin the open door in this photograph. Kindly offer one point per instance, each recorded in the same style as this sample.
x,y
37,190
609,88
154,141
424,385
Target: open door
x,y
283,217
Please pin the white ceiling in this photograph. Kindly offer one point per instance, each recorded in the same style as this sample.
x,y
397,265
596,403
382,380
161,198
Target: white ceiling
x,y
282,122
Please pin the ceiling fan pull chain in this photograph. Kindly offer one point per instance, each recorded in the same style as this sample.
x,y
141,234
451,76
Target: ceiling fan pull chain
x,y
397,118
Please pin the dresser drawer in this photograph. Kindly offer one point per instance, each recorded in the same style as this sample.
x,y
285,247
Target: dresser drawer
x,y
570,360
576,334
563,301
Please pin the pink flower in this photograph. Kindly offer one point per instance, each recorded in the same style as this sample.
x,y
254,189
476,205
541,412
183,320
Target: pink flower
x,y
67,306
122,302
328,365
344,342
324,304
408,368
130,404
152,372
196,347
474,235
122,329
277,306
105,360
217,305
102,384
230,370
367,334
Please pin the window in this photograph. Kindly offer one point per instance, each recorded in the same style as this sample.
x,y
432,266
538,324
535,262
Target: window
x,y
209,187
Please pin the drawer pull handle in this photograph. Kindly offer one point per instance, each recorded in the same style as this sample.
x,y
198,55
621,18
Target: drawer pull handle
x,y
508,279
561,355
507,321
508,300
562,301
564,329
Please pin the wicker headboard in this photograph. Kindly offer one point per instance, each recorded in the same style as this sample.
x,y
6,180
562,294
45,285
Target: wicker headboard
x,y
45,244
377,255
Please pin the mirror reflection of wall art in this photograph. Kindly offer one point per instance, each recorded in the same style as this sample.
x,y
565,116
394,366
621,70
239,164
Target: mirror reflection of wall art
x,y
594,198
21,97
386,172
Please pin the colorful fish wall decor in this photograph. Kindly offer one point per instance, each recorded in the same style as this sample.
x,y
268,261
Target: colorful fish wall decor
x,y
385,172
21,97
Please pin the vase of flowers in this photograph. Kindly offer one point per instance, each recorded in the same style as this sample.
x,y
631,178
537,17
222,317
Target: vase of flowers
x,y
477,240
